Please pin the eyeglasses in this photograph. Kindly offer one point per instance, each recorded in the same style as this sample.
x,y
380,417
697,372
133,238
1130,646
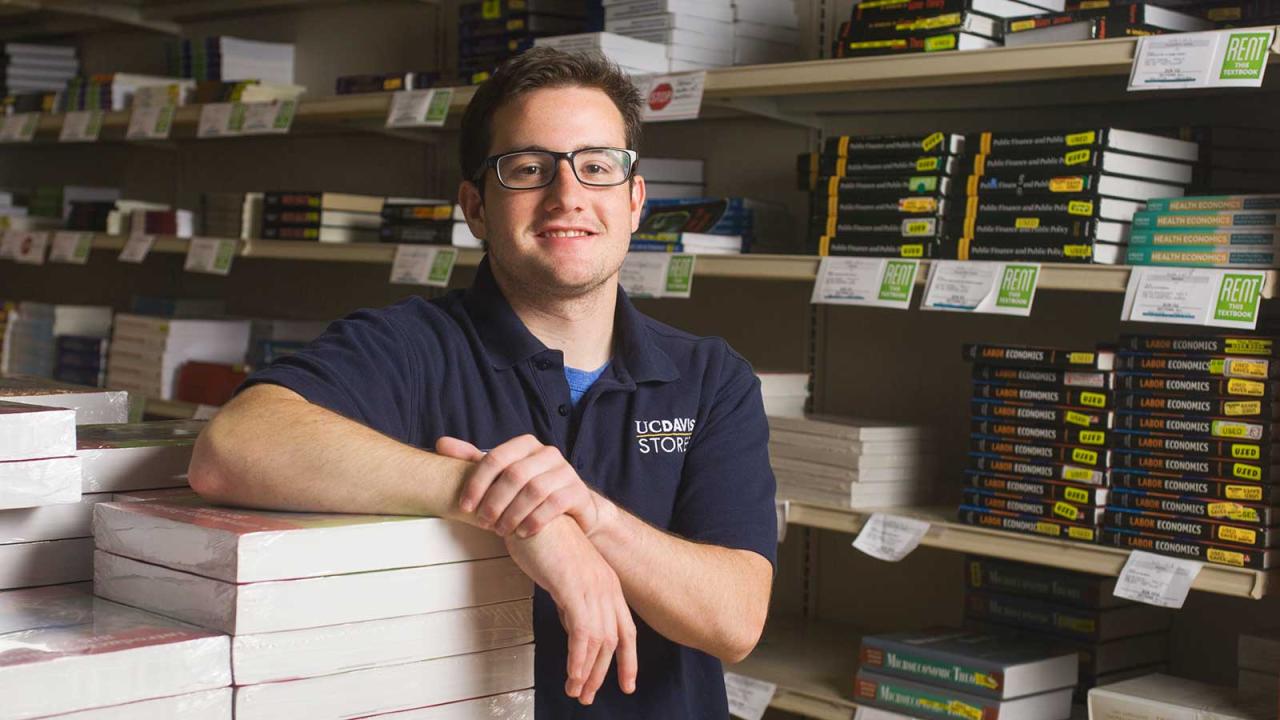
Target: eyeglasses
x,y
532,169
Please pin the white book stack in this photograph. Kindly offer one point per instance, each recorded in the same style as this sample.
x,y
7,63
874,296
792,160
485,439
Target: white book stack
x,y
765,31
1157,697
507,706
849,462
697,34
91,405
672,178
637,57
69,655
147,352
41,514
38,68
333,616
33,333
136,456
785,394
241,59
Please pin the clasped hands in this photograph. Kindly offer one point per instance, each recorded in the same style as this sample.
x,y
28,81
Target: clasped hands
x,y
517,490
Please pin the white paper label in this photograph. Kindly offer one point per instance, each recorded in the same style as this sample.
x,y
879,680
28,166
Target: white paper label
x,y
748,697
153,122
219,120
136,248
71,247
30,248
423,265
657,275
1156,579
9,242
1194,296
81,126
879,282
205,412
419,108
1001,288
1225,58
268,118
890,537
783,509
211,255
672,97
20,127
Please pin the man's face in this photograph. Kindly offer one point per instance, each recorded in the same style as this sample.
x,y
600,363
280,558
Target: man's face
x,y
567,238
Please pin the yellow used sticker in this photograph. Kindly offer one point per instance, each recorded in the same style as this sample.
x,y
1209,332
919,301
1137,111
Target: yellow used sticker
x,y
1066,184
1026,223
1080,533
932,141
1077,157
1076,418
1235,534
1048,528
1077,474
926,164
1244,451
1093,399
1080,207
1066,510
1093,437
1240,408
1244,492
1084,138
1225,557
1088,457
1076,495
1246,472
1252,388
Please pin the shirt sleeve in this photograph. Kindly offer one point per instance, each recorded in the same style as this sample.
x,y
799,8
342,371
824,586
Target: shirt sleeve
x,y
728,490
361,368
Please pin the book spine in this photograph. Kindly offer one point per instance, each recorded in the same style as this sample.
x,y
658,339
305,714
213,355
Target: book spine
x,y
1215,202
1037,377
1029,183
1210,406
1201,256
1198,365
1027,356
990,143
289,199
858,145
1250,559
1192,447
873,9
1194,426
1041,452
1009,249
911,184
986,575
306,218
441,234
1155,219
272,232
933,668
1050,395
1204,509
1185,527
1030,506
1192,467
844,167
1256,240
900,247
1195,387
1058,434
1034,469
1211,489
1043,490
1201,345
1042,415
1077,160
1074,623
919,700
1007,209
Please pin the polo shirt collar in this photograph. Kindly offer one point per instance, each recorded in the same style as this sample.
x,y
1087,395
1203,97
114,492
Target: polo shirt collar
x,y
507,341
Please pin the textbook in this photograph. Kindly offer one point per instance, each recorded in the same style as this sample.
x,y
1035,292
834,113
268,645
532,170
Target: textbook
x,y
1036,581
242,546
851,428
62,632
1036,413
1203,508
29,432
997,248
1184,527
1027,524
1084,158
1165,544
1261,239
1037,377
1213,489
1196,386
1211,203
1036,469
873,9
1053,395
1068,183
888,28
1031,506
1197,366
61,521
203,705
1127,141
908,457
990,665
1017,356
1096,208
1156,697
892,145
915,43
1202,344
1199,467
92,405
1206,219
281,656
50,562
1050,491
514,705
932,701
1258,450
1068,622
136,456
379,690
1264,257
31,483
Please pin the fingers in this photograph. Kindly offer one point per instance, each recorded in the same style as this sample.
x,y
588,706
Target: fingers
x,y
604,643
579,650
565,500
490,466
458,449
628,664
513,481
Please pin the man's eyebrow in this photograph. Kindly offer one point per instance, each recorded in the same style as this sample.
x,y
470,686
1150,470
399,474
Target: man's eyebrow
x,y
542,148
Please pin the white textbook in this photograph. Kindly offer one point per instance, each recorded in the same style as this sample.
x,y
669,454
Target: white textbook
x,y
391,688
52,562
29,432
50,522
32,483
241,546
310,602
507,706
272,657
203,705
92,405
136,456
64,651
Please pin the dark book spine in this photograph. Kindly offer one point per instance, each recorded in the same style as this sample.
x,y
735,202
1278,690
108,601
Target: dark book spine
x,y
1211,489
1044,415
1192,466
291,199
911,184
1031,506
876,9
1014,248
1215,406
1058,434
303,218
1201,345
1198,365
1074,184
1074,623
1196,386
1050,395
274,232
1192,426
884,247
1205,509
1197,447
1034,469
425,234
1026,525
1040,452
1177,547
1185,527
1051,585
1038,377
1044,490
1030,356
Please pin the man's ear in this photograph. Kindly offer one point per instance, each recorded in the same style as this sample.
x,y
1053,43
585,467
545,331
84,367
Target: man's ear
x,y
472,207
637,201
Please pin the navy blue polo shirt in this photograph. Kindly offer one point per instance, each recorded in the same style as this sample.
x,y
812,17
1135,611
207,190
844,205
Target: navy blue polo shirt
x,y
674,431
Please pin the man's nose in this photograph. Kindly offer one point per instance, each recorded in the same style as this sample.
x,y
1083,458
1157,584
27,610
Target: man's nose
x,y
565,188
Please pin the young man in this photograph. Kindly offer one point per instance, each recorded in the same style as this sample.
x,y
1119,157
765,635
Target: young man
x,y
624,461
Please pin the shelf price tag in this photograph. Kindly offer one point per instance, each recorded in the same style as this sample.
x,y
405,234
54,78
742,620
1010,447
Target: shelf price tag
x,y
81,126
890,537
212,256
423,265
419,108
153,122
1194,296
20,127
268,118
1156,579
9,243
220,120
137,247
984,287
71,247
671,97
30,248
748,697
1224,58
878,282
657,275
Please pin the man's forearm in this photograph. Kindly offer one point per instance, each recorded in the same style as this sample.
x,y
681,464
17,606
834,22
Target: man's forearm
x,y
711,598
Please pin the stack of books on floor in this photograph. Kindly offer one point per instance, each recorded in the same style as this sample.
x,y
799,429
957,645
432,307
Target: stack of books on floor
x,y
785,394
1194,461
694,34
386,82
1075,611
417,220
765,32
142,665
1038,454
1258,664
851,463
672,178
227,59
38,468
128,457
32,69
321,216
34,331
882,196
80,360
721,226
1227,231
1165,696
1083,20
330,615
92,405
951,673
222,214
491,31
637,57
147,352
1065,196
896,27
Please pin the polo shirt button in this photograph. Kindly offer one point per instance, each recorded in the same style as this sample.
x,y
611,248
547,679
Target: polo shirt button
x,y
542,365
564,409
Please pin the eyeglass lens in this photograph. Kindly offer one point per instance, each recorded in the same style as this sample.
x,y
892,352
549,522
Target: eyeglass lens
x,y
534,169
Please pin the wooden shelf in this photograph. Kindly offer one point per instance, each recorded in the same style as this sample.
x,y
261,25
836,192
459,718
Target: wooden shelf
x,y
812,664
948,535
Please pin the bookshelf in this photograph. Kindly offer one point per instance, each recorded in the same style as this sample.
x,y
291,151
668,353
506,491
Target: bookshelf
x,y
811,662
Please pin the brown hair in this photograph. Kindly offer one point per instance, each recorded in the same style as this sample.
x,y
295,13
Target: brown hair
x,y
543,68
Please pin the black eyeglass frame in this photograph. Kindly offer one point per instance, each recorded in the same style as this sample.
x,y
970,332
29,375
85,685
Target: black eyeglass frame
x,y
493,160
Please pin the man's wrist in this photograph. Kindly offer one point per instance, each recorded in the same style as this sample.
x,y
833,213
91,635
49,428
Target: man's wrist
x,y
608,517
